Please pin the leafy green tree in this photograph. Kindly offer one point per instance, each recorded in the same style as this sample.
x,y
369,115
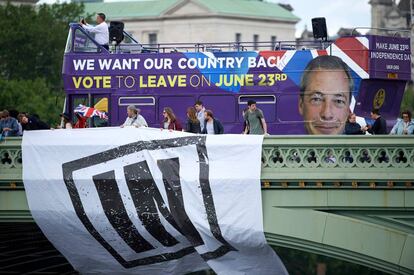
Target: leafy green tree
x,y
32,43
32,96
408,99
32,40
299,262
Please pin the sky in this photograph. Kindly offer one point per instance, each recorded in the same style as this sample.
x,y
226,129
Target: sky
x,y
338,13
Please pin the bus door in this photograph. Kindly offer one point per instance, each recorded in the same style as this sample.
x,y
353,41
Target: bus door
x,y
75,100
145,103
101,102
98,101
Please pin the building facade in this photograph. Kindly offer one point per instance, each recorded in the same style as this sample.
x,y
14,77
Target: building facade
x,y
201,21
20,2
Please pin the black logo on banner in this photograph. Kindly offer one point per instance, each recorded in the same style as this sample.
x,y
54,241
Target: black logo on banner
x,y
147,199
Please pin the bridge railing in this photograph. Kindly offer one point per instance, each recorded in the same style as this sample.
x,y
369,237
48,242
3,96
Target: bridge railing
x,y
11,163
338,161
298,162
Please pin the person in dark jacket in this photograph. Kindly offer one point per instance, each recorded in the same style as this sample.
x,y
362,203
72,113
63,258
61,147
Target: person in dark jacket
x,y
380,125
31,123
193,124
170,121
212,126
352,127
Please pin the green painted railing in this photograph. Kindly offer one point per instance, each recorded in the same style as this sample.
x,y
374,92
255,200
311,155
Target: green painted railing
x,y
338,161
299,161
10,163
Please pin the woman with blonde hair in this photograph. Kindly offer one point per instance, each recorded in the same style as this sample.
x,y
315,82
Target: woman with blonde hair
x,y
193,124
170,122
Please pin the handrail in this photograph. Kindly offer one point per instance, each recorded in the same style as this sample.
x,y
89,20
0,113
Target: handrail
x,y
301,161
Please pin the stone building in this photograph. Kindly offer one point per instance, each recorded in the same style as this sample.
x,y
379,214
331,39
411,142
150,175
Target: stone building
x,y
177,21
20,2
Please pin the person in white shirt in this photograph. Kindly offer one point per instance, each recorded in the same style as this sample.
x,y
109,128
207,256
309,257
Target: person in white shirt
x,y
101,30
134,118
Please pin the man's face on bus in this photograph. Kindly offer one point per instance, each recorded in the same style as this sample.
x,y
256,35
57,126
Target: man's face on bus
x,y
325,103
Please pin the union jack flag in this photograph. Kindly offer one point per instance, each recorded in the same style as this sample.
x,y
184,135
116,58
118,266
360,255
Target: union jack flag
x,y
89,112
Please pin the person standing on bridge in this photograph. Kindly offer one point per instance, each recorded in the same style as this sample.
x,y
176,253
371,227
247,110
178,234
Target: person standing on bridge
x,y
254,119
380,125
193,124
134,118
170,121
404,125
352,127
200,112
325,95
212,126
101,30
9,127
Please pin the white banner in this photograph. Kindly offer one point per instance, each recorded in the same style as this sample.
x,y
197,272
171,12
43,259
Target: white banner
x,y
146,201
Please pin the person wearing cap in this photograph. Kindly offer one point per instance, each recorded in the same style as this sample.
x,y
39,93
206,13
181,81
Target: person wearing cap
x,y
134,118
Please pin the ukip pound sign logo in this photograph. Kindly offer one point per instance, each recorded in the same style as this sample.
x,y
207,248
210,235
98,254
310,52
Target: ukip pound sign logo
x,y
379,99
147,200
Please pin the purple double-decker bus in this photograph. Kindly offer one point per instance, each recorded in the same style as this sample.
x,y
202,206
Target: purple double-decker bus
x,y
225,76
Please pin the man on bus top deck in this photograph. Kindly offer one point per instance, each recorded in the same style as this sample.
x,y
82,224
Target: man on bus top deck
x,y
325,95
100,30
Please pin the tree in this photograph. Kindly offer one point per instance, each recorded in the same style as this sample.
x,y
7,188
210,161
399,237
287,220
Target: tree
x,y
32,96
32,43
408,99
32,40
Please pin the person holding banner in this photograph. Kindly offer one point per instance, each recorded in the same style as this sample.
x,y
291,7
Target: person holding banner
x,y
134,118
170,121
212,126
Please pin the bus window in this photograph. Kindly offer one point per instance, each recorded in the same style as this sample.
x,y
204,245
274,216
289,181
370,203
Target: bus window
x,y
288,108
83,43
223,106
75,101
178,103
266,103
145,103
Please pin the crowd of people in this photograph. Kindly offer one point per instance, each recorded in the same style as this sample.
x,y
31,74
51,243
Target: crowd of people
x,y
199,121
403,126
13,123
